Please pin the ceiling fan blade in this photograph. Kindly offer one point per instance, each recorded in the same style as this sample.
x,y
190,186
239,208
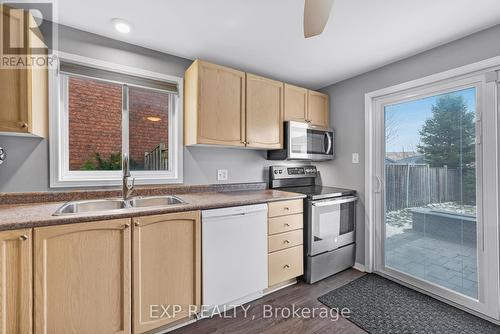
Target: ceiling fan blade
x,y
316,14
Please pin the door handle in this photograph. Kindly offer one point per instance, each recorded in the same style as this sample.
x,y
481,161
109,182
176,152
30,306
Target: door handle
x,y
329,140
379,184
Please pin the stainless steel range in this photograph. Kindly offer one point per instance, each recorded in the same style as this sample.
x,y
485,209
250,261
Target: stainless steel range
x,y
329,220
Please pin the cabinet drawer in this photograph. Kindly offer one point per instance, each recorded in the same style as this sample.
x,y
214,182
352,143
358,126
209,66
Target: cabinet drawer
x,y
285,207
284,240
285,264
285,223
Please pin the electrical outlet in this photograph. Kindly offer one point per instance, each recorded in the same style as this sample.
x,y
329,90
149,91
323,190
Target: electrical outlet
x,y
355,158
221,174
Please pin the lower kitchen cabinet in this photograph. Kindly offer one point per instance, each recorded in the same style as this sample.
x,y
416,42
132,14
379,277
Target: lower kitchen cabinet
x,y
16,282
285,241
166,269
285,264
82,278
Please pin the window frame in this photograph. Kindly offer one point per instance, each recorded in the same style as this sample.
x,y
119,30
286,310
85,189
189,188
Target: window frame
x,y
61,176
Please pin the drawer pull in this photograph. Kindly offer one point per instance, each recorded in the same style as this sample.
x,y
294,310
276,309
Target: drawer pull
x,y
286,241
286,266
23,237
287,225
286,208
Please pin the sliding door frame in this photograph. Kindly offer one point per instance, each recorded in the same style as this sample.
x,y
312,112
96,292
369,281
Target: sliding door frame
x,y
484,78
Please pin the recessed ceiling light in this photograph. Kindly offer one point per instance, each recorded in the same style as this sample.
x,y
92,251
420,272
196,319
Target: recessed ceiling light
x,y
121,25
153,119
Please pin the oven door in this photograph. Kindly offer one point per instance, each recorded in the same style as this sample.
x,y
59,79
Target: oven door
x,y
309,143
331,224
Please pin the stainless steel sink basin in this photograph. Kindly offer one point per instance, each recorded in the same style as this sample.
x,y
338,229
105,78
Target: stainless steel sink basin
x,y
91,206
116,204
141,202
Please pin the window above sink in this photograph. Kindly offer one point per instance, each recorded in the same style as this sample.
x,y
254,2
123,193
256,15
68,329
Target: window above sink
x,y
100,111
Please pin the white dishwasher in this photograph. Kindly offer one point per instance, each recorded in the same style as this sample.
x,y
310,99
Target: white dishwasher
x,y
234,255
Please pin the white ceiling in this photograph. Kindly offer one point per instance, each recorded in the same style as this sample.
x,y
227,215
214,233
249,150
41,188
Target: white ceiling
x,y
266,36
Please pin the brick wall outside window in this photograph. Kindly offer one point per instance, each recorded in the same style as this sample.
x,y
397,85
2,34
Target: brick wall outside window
x,y
95,122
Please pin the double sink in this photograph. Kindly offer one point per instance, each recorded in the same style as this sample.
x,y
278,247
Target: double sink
x,y
103,205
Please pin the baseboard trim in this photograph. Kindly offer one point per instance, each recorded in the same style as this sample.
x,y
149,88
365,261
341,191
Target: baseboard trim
x,y
359,267
171,327
280,286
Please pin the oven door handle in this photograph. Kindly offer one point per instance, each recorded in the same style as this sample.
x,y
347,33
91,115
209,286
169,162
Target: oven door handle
x,y
336,201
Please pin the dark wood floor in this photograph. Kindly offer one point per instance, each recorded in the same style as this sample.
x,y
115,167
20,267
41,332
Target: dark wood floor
x,y
302,295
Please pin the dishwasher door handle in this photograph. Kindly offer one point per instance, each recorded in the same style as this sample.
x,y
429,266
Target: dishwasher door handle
x,y
336,201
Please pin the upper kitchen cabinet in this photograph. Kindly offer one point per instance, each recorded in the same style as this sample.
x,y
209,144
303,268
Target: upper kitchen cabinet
x,y
264,112
214,105
227,107
295,103
23,98
318,109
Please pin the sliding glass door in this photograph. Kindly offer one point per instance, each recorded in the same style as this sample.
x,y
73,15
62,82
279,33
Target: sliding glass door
x,y
430,190
432,217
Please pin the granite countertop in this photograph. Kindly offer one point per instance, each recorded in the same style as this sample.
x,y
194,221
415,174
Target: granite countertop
x,y
18,216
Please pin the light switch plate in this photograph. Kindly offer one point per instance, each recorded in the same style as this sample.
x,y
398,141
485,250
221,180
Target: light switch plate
x,y
355,158
221,174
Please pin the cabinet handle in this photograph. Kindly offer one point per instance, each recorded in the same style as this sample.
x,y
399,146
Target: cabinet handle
x,y
23,237
286,266
286,241
126,226
23,125
286,208
287,225
137,224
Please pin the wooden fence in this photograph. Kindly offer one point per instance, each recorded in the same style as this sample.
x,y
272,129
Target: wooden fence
x,y
157,159
409,185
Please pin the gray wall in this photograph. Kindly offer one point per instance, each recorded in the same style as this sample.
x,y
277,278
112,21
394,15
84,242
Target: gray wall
x,y
347,105
27,165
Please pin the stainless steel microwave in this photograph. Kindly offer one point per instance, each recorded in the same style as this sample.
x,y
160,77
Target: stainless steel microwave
x,y
305,142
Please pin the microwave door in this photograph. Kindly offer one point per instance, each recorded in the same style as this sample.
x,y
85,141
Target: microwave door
x,y
319,144
325,226
297,143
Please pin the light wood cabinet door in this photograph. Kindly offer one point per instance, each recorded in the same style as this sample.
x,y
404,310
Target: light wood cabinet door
x,y
318,109
24,94
264,112
214,105
295,103
166,269
16,282
82,278
285,264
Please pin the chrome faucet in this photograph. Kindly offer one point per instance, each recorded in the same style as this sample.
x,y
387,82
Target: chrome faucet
x,y
127,188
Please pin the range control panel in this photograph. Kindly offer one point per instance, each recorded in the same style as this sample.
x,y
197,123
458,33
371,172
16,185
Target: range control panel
x,y
287,172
